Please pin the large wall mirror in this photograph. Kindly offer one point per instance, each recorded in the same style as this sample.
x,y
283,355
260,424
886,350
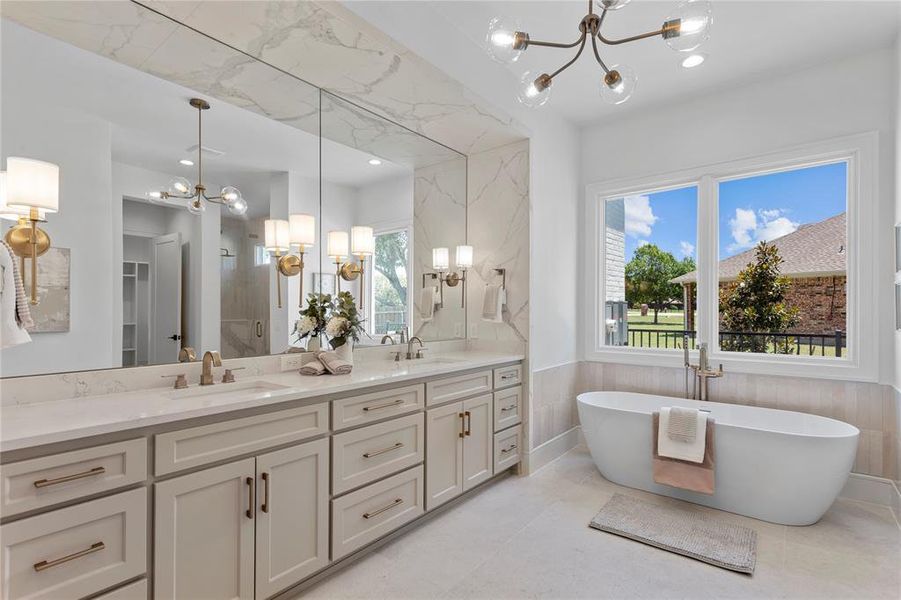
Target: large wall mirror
x,y
135,272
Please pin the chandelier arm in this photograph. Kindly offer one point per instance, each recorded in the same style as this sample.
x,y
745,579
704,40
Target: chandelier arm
x,y
597,55
199,146
634,38
574,58
553,44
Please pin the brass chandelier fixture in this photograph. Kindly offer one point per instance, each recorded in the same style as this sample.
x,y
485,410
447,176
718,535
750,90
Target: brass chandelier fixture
x,y
181,188
684,31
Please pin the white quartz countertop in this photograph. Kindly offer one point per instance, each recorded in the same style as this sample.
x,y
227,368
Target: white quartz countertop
x,y
39,423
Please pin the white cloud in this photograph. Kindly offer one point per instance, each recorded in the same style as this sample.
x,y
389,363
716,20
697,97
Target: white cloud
x,y
643,243
747,229
686,248
640,218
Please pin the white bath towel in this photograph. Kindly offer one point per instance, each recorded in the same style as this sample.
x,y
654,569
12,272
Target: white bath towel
x,y
12,333
427,303
493,303
689,451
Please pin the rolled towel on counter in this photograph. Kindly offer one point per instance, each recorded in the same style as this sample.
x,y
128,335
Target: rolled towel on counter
x,y
692,451
334,364
314,367
695,477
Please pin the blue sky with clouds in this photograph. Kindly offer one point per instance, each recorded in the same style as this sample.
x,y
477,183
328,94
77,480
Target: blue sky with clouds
x,y
752,209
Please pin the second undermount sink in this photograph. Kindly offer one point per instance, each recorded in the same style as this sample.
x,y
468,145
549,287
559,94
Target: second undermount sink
x,y
434,360
228,391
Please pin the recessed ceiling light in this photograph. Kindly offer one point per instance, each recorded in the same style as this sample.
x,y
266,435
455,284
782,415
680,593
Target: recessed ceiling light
x,y
186,162
694,60
374,162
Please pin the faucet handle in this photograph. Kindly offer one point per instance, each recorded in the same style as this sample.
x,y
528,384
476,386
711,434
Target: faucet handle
x,y
181,382
396,356
420,351
229,375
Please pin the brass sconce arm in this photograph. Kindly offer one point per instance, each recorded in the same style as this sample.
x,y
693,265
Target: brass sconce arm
x,y
452,279
349,271
288,265
27,240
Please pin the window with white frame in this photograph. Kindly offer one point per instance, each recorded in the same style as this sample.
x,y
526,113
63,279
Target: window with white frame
x,y
761,259
389,291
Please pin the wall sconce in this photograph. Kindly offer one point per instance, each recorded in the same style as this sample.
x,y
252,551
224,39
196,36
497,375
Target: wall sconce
x,y
29,191
362,244
298,231
441,263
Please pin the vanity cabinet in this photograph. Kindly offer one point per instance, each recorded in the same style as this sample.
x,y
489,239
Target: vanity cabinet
x,y
264,520
459,452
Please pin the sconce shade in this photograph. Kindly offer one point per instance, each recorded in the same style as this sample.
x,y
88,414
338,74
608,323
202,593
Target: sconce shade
x,y
303,230
464,257
362,240
440,259
277,235
32,183
337,244
7,212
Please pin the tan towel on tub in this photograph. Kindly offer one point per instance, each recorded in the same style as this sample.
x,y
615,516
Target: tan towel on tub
x,y
695,477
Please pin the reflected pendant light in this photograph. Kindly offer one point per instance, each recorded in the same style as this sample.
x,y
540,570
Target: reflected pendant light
x,y
181,188
684,31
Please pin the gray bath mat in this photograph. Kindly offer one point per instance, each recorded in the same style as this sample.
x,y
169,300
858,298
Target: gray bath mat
x,y
680,530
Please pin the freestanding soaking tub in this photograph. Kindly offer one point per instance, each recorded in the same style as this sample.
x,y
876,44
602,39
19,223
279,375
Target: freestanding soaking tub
x,y
780,466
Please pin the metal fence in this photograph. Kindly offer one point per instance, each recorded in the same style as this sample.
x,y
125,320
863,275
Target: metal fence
x,y
781,343
389,320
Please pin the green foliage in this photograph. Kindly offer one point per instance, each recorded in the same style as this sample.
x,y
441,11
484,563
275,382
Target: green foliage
x,y
391,258
648,277
756,303
345,321
317,309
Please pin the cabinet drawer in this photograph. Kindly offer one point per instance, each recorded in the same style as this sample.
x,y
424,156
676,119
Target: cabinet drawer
x,y
368,408
197,446
49,480
133,591
507,449
375,511
457,388
507,376
507,408
76,551
363,455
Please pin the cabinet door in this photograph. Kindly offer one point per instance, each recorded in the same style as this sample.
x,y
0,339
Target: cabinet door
x,y
204,534
444,454
478,443
292,516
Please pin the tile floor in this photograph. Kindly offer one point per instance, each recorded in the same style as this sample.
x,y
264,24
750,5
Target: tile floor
x,y
528,537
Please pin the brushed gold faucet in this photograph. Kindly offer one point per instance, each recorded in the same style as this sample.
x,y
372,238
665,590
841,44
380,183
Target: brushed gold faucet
x,y
210,359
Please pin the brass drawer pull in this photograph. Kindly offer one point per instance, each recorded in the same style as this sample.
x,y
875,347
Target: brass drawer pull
x,y
508,376
265,506
511,407
46,564
375,513
510,449
386,405
249,511
468,422
462,424
89,473
383,450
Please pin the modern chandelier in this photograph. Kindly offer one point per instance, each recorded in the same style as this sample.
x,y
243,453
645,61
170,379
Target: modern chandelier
x,y
684,31
181,188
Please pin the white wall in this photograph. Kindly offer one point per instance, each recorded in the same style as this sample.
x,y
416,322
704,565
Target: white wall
x,y
386,203
761,117
897,219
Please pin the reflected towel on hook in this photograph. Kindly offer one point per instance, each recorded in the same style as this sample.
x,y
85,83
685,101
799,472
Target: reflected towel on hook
x,y
427,303
23,312
493,303
11,331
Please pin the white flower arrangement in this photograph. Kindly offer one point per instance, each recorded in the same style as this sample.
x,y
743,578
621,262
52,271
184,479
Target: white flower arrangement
x,y
305,326
336,327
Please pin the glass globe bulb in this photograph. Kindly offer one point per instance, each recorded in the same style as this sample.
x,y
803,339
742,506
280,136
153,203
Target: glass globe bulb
x,y
230,194
179,186
197,206
155,196
614,4
501,40
694,18
534,89
238,207
618,85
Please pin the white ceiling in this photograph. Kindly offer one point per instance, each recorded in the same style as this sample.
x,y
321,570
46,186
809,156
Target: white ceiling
x,y
750,40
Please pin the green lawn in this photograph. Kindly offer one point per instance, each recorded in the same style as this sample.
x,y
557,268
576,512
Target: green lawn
x,y
665,320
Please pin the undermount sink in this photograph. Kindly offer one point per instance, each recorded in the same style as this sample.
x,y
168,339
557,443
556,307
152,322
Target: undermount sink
x,y
228,391
436,360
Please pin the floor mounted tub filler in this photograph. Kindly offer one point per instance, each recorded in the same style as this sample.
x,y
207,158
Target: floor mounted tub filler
x,y
780,466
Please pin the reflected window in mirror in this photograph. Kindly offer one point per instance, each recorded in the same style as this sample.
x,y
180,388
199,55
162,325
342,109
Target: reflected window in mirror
x,y
390,290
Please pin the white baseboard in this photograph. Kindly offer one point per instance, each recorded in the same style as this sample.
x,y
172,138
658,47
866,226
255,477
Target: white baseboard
x,y
876,490
554,448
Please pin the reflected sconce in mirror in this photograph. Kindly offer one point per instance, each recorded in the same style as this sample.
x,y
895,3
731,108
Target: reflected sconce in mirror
x,y
362,244
299,231
29,189
441,264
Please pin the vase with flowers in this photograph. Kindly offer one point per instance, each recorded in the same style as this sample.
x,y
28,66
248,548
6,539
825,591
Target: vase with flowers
x,y
313,320
344,325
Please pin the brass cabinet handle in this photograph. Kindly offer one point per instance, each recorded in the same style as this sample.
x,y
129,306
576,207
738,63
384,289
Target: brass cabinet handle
x,y
383,450
509,376
375,513
506,408
510,449
89,473
462,424
249,511
265,506
468,422
386,405
46,564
